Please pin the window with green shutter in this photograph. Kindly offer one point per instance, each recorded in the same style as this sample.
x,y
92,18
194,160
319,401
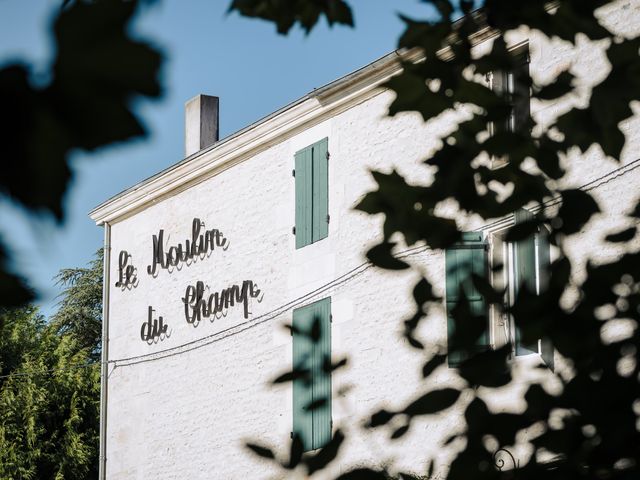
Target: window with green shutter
x,y
462,261
530,266
516,265
514,86
525,274
312,193
312,391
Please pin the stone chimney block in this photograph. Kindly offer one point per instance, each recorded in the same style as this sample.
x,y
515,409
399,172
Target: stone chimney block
x,y
200,123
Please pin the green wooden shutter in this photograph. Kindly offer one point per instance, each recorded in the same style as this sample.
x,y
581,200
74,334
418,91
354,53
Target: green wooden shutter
x,y
321,379
521,94
303,387
312,193
304,197
500,85
467,257
313,426
320,190
514,86
544,267
525,273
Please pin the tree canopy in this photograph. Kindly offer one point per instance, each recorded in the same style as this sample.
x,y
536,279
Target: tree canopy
x,y
50,384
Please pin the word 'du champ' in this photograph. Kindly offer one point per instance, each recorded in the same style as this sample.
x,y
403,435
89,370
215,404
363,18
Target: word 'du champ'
x,y
197,306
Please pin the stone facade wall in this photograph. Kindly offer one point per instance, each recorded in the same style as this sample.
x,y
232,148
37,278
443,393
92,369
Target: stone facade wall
x,y
188,414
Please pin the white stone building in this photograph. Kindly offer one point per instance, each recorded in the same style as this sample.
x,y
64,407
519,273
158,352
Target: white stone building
x,y
183,394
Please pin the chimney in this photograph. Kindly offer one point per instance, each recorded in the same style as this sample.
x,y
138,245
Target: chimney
x,y
200,123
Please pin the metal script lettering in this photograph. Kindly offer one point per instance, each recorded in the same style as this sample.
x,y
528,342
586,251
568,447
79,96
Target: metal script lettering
x,y
197,306
127,277
154,329
199,244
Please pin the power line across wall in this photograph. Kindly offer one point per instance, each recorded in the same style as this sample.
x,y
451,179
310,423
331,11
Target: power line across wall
x,y
278,311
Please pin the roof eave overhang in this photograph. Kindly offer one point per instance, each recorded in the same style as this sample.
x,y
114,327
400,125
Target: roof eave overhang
x,y
311,109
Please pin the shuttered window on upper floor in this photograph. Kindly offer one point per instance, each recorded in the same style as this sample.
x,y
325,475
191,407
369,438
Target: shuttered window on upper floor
x,y
515,265
312,193
529,263
514,86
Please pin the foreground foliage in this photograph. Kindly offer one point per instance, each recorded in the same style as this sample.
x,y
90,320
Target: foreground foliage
x,y
597,434
100,68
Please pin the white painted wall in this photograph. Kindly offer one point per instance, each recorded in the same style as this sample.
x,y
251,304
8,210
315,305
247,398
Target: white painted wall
x,y
188,415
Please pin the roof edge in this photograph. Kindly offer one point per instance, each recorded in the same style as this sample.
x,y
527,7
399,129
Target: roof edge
x,y
243,144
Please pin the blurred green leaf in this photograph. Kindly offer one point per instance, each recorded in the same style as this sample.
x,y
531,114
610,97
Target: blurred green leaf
x,y
291,376
622,236
326,454
286,14
432,364
380,418
558,88
14,291
363,474
577,209
381,256
400,432
432,402
263,452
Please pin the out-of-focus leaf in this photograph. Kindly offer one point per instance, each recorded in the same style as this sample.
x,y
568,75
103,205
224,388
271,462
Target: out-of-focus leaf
x,y
381,256
36,140
98,71
539,402
432,364
558,88
622,236
363,474
610,103
426,35
316,329
433,402
286,14
326,455
414,342
316,404
398,201
565,21
583,129
486,289
423,292
523,230
381,417
400,432
413,95
14,291
328,367
488,368
291,376
295,452
503,426
261,451
547,156
466,6
577,209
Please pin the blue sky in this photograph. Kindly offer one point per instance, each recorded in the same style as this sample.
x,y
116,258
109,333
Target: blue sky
x,y
245,62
